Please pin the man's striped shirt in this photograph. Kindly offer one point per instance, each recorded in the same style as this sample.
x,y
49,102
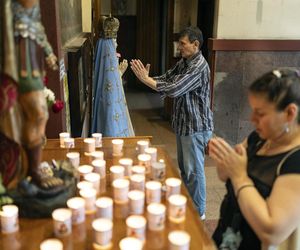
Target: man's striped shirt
x,y
188,83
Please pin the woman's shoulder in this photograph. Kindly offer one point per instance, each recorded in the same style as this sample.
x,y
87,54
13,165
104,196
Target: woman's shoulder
x,y
291,163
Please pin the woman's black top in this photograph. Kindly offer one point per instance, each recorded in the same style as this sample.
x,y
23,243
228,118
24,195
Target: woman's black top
x,y
262,171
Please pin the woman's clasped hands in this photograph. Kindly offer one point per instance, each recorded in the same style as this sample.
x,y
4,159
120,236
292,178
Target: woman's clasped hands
x,y
231,161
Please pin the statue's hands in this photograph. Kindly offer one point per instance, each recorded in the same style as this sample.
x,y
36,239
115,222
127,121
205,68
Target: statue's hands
x,y
51,60
123,66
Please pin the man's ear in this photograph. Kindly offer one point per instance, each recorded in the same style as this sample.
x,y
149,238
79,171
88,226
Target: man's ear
x,y
197,43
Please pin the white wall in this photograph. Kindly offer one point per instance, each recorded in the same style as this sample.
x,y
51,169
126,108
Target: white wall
x,y
257,19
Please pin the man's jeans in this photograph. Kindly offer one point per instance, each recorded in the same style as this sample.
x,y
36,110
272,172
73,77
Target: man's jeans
x,y
190,154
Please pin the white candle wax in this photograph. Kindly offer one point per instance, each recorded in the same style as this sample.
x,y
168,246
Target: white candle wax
x,y
177,208
158,171
145,160
84,169
89,195
84,185
179,240
142,145
136,201
98,139
153,153
93,178
74,158
173,186
62,136
62,221
9,219
97,155
116,172
69,142
138,170
102,231
131,243
126,163
51,244
156,214
117,147
99,167
120,190
137,182
153,191
104,207
77,206
136,225
89,145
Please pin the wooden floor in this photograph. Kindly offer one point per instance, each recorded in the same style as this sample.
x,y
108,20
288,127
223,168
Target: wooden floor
x,y
147,117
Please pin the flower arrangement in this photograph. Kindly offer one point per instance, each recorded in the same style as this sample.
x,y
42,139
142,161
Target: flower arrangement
x,y
56,105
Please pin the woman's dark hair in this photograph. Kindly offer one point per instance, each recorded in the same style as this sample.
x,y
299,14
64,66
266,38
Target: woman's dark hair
x,y
193,33
280,86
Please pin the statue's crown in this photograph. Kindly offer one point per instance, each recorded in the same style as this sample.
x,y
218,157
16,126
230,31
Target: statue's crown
x,y
110,27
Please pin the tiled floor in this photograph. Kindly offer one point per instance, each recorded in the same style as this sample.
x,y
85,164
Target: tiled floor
x,y
146,114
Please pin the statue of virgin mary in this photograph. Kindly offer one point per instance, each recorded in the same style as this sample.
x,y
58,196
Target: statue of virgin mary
x,y
110,111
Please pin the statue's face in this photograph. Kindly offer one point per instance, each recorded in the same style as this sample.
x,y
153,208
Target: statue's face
x,y
115,42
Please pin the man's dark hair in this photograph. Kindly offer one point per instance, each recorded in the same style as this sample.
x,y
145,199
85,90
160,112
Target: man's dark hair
x,y
193,34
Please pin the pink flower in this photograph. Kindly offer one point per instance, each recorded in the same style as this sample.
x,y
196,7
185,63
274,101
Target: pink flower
x,y
57,106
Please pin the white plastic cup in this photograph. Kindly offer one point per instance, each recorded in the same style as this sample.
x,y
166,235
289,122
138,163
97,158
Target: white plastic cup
x,y
51,244
9,217
138,170
136,226
177,208
93,178
74,158
131,243
116,172
156,215
97,155
99,167
102,232
98,139
137,182
153,153
89,195
120,190
84,185
127,164
153,192
104,206
158,171
141,146
179,240
69,142
172,186
89,145
83,170
145,160
62,222
62,136
77,207
136,202
117,147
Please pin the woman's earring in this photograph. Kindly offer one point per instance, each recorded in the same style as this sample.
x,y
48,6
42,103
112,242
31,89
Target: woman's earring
x,y
286,128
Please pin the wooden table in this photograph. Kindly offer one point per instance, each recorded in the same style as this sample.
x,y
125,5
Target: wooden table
x,y
34,231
